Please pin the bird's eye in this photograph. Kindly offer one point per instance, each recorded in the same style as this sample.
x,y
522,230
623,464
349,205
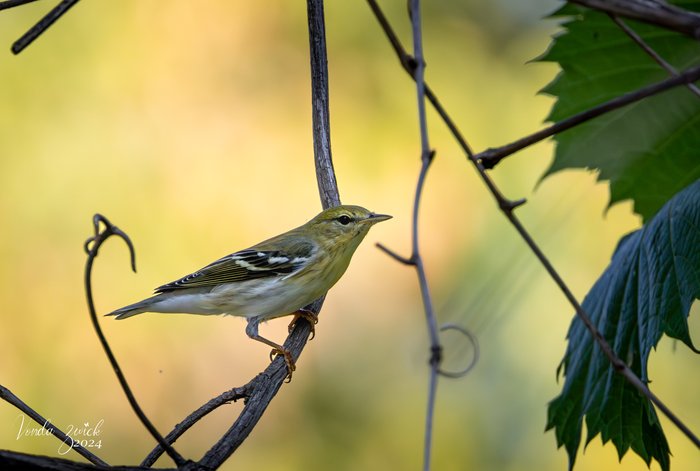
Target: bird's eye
x,y
344,219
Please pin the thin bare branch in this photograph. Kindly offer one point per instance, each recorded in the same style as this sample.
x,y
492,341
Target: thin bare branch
x,y
651,52
655,12
507,207
14,3
435,348
629,375
12,460
394,255
491,157
35,31
7,395
416,67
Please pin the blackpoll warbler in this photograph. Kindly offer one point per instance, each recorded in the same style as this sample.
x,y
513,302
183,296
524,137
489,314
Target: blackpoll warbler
x,y
274,278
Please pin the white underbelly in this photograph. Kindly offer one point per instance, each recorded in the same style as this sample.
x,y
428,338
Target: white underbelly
x,y
266,298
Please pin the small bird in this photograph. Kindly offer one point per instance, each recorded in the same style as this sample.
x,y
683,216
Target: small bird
x,y
274,278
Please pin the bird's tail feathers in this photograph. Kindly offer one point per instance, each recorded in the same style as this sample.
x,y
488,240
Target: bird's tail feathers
x,y
132,309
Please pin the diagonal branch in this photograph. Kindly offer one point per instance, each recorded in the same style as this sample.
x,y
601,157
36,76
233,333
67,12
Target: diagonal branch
x,y
35,31
491,157
7,4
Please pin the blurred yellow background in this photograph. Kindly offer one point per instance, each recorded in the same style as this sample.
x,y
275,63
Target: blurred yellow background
x,y
187,124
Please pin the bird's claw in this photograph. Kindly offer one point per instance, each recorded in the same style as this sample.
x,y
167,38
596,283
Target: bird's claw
x,y
288,360
310,316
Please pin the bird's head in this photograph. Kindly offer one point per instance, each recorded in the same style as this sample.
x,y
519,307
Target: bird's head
x,y
345,223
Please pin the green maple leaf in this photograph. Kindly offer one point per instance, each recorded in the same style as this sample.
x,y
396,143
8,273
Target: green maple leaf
x,y
647,150
646,291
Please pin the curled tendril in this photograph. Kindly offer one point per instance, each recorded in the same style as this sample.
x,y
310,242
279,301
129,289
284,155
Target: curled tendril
x,y
472,339
92,245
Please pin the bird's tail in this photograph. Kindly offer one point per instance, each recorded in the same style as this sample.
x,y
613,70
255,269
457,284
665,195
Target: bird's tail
x,y
133,309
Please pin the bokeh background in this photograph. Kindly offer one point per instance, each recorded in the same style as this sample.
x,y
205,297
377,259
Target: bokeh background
x,y
188,125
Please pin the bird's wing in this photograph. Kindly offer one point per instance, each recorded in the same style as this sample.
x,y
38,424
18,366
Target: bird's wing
x,y
245,265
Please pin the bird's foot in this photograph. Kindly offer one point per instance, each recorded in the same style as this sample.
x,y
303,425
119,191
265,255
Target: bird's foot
x,y
310,316
288,360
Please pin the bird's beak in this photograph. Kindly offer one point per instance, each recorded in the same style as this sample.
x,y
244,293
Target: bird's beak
x,y
375,218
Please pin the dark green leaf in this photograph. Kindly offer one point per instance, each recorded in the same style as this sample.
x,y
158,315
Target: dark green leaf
x,y
646,291
648,150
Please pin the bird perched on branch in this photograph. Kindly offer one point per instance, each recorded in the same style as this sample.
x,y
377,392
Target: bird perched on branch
x,y
274,278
